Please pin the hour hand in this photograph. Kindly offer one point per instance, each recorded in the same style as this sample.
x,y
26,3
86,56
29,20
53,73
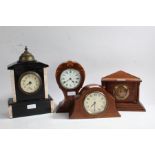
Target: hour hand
x,y
72,81
67,80
29,83
94,104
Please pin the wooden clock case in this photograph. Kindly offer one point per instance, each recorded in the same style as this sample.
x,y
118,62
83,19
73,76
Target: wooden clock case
x,y
69,94
78,111
23,104
131,103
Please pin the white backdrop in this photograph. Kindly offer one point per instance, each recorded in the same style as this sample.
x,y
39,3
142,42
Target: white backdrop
x,y
101,51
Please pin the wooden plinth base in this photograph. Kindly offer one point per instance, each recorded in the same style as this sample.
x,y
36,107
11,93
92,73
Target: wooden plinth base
x,y
130,107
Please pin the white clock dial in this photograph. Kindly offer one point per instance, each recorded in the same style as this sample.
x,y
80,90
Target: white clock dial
x,y
95,103
30,82
70,78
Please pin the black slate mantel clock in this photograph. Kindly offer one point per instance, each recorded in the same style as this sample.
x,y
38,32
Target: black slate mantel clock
x,y
30,87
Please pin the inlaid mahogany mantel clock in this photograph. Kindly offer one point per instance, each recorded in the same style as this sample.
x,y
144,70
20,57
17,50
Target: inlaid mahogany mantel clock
x,y
93,101
70,77
30,87
125,88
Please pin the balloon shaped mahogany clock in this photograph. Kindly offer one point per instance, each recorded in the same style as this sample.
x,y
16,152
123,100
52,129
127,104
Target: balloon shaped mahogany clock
x,y
30,87
70,77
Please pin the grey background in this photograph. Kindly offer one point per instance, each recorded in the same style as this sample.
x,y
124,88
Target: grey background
x,y
101,51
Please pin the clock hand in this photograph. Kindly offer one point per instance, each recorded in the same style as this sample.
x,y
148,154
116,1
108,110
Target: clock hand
x,y
29,83
72,81
67,80
30,88
94,106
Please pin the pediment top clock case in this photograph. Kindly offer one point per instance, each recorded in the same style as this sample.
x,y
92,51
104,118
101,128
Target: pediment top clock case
x,y
93,101
70,77
30,87
125,88
121,76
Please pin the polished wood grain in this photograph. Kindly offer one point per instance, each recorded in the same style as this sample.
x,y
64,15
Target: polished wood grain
x,y
65,105
131,103
78,111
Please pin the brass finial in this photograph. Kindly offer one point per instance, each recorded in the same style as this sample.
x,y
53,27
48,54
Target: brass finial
x,y
26,49
26,56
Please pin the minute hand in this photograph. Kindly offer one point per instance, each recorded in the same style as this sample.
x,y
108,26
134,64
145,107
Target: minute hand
x,y
94,104
67,81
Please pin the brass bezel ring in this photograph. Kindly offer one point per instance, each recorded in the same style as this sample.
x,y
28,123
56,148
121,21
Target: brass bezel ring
x,y
97,112
118,87
30,72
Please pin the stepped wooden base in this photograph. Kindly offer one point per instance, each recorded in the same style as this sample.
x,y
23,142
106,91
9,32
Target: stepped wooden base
x,y
87,116
130,107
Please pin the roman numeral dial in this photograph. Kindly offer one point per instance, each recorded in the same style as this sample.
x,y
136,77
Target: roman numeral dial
x,y
70,78
30,82
95,103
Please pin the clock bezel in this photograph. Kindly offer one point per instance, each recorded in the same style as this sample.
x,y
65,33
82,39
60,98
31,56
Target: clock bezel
x,y
97,91
70,65
115,93
26,73
79,80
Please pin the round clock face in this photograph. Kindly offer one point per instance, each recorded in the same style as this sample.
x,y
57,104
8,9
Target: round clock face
x,y
70,78
30,82
121,92
95,103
